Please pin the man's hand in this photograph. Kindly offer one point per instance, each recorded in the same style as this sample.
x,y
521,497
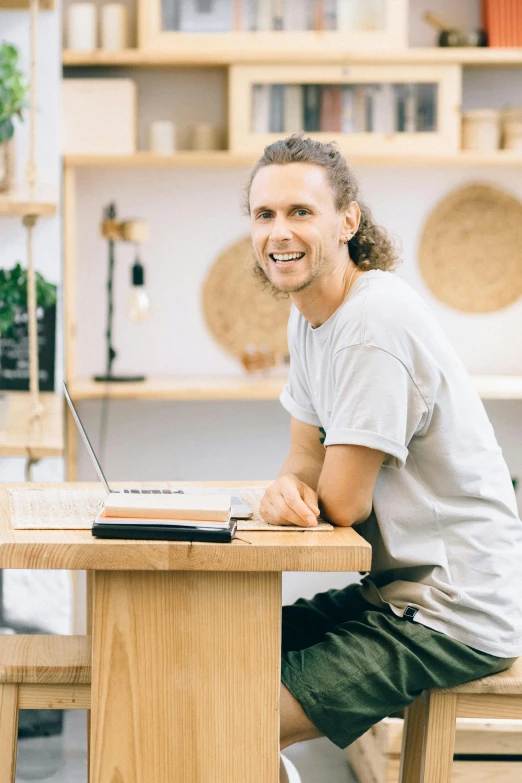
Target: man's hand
x,y
289,501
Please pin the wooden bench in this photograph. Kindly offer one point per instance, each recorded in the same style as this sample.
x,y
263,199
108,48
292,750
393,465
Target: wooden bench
x,y
429,731
39,672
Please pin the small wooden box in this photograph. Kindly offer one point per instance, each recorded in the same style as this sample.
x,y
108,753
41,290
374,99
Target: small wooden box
x,y
375,757
397,121
99,116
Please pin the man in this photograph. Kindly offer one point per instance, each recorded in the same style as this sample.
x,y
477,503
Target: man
x,y
387,433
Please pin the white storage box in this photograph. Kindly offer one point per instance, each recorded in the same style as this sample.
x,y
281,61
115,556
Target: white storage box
x,y
99,116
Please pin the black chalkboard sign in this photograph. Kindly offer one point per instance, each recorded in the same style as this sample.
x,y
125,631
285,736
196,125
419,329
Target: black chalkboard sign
x,y
14,350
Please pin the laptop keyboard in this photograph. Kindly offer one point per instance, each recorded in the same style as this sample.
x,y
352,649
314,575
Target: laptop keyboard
x,y
153,491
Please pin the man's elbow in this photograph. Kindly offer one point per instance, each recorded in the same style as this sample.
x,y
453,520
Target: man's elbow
x,y
343,514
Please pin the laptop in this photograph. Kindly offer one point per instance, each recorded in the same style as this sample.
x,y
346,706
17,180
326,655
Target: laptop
x,y
239,510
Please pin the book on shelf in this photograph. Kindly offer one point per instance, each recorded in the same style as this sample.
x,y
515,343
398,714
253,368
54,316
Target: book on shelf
x,y
328,15
347,109
206,16
278,14
312,107
170,14
331,103
406,108
502,20
426,108
277,108
293,100
359,104
300,15
369,101
383,108
263,14
361,15
260,108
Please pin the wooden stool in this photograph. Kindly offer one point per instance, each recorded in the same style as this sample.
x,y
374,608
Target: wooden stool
x,y
39,673
429,730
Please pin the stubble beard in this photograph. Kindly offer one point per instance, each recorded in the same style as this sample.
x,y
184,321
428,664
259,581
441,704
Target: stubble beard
x,y
262,277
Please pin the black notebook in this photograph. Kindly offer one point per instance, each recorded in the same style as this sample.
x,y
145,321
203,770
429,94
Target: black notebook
x,y
164,532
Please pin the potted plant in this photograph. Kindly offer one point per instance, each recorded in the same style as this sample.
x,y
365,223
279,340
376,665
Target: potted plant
x,y
13,93
14,346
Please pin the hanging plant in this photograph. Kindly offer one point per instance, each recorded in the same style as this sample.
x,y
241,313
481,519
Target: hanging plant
x,y
13,90
13,294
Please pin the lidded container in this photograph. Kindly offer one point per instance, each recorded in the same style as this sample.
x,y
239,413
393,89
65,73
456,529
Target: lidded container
x,y
481,129
512,129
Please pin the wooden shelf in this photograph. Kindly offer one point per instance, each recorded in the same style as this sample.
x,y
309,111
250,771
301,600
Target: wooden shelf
x,y
13,206
244,387
225,159
233,387
188,159
19,439
261,48
44,5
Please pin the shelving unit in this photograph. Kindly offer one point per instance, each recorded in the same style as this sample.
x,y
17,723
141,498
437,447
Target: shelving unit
x,y
322,49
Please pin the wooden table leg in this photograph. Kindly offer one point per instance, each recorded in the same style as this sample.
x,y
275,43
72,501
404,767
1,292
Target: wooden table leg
x,y
186,677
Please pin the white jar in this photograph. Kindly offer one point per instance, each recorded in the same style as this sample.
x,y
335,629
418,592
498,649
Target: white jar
x,y
512,129
81,27
481,130
162,137
114,27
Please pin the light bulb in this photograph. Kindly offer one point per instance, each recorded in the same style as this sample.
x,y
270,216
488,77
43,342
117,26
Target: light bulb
x,y
138,306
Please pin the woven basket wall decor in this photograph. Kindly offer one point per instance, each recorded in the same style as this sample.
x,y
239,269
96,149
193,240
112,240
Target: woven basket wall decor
x,y
238,311
470,251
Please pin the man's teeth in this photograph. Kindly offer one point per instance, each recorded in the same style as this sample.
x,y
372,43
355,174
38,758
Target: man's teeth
x,y
286,256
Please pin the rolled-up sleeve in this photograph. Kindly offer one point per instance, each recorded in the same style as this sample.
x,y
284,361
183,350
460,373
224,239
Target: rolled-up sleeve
x,y
375,404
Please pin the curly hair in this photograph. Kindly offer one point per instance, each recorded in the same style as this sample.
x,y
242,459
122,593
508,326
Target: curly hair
x,y
370,247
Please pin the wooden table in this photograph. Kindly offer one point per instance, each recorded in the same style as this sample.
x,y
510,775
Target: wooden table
x,y
186,644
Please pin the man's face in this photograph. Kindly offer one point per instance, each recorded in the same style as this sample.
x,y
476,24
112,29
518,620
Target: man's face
x,y
296,229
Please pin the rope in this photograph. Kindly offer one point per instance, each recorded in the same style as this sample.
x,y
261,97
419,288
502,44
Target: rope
x,y
29,222
31,163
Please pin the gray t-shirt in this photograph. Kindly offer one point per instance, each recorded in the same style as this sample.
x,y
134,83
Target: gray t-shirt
x,y
444,529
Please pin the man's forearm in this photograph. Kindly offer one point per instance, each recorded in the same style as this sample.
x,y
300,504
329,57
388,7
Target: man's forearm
x,y
307,467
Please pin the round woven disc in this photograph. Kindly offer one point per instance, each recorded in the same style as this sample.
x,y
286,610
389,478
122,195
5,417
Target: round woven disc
x,y
238,311
470,252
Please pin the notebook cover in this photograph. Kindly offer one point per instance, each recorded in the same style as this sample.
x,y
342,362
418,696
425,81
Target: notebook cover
x,y
163,533
199,508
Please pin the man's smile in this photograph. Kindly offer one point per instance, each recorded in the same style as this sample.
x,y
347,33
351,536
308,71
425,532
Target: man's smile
x,y
286,258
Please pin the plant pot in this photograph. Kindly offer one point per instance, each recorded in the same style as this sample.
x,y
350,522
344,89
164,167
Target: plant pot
x,y
6,165
14,351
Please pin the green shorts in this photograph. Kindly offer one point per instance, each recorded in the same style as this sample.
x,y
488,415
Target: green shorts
x,y
350,664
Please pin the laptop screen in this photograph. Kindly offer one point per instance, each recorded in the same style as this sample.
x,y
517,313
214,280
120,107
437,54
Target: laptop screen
x,y
86,440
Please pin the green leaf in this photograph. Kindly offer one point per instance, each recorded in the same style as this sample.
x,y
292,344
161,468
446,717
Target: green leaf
x,y
13,293
13,90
